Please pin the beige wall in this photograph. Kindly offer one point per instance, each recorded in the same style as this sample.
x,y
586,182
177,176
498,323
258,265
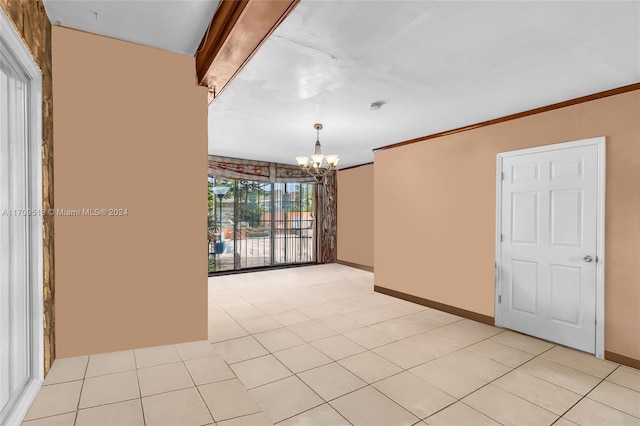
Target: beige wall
x,y
130,131
443,192
355,215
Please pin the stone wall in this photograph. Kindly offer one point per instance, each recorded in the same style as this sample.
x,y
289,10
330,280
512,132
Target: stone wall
x,y
328,219
31,22
261,171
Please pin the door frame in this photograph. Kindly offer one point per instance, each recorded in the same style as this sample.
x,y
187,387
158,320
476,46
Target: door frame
x,y
600,143
33,188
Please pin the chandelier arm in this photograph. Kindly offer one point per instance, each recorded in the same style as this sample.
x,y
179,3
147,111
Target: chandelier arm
x,y
320,173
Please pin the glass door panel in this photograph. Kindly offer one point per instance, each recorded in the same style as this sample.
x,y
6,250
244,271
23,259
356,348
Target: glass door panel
x,y
294,223
15,353
253,225
220,224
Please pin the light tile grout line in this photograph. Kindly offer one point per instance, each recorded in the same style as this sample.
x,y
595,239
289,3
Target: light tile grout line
x,y
155,394
366,350
395,340
135,363
84,378
584,396
483,339
594,388
512,368
620,366
86,408
375,347
86,368
296,376
555,384
458,350
517,367
313,408
619,384
490,382
264,384
565,366
198,389
76,411
498,377
456,399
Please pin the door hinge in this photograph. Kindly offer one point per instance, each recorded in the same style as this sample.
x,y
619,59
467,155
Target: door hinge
x,y
501,237
502,176
597,260
499,298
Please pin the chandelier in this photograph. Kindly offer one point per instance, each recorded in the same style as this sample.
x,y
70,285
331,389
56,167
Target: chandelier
x,y
318,165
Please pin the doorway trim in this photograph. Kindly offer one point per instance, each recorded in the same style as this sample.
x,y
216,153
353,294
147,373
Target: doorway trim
x,y
599,142
33,163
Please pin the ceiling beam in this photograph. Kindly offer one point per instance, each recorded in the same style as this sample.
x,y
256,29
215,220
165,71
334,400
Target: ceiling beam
x,y
237,30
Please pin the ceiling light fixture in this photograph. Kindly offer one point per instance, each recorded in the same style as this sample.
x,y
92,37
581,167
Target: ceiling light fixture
x,y
318,165
374,106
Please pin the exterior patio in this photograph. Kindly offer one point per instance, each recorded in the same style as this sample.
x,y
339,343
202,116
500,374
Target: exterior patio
x,y
255,252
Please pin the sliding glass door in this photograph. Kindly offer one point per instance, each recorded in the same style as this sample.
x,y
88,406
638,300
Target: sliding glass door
x,y
21,351
259,224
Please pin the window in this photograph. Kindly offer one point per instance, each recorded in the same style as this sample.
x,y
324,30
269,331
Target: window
x,y
260,224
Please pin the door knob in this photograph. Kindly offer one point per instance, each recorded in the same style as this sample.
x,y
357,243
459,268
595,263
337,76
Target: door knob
x,y
588,259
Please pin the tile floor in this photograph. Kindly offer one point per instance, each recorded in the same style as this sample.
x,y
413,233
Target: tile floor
x,y
316,346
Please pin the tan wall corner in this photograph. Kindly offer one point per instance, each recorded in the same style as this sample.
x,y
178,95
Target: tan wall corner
x,y
355,215
131,133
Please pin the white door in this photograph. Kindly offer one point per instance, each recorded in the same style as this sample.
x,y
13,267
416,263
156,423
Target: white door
x,y
20,227
548,248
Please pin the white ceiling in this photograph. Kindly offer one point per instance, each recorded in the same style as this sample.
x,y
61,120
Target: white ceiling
x,y
438,65
174,25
